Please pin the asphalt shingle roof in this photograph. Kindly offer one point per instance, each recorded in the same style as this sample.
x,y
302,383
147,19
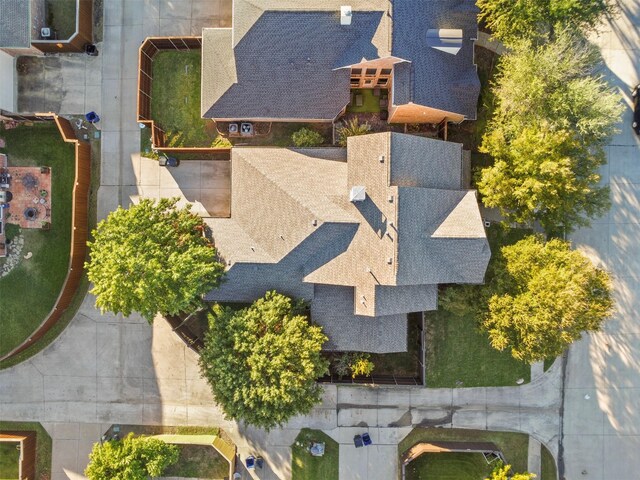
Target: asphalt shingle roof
x,y
285,66
437,79
15,24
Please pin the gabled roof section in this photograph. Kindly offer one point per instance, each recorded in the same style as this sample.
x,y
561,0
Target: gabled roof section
x,y
438,79
15,23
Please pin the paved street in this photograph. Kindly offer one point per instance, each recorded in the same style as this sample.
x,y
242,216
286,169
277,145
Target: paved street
x,y
602,399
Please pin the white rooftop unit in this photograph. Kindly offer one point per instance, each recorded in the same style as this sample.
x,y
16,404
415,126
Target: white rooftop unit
x,y
345,15
448,40
357,194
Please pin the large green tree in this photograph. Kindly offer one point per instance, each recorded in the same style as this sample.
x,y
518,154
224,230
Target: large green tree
x,y
150,258
132,458
511,20
545,296
262,362
546,136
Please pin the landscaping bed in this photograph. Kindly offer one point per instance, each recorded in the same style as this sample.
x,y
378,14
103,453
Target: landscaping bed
x,y
304,466
278,134
31,288
470,132
43,447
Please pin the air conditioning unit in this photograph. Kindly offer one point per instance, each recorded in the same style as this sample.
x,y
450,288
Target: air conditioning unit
x,y
233,128
45,33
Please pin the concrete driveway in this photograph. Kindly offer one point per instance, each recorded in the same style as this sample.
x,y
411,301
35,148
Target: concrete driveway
x,y
602,390
204,184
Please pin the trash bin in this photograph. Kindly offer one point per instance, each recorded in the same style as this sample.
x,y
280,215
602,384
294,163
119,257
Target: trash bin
x,y
90,49
92,117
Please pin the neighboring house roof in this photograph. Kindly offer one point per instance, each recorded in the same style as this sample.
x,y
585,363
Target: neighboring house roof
x,y
293,227
15,24
285,59
436,79
285,65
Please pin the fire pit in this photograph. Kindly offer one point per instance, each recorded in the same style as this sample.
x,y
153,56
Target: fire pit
x,y
29,181
31,214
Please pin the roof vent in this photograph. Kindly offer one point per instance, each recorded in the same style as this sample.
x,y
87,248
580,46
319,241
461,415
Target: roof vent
x,y
357,194
345,15
448,40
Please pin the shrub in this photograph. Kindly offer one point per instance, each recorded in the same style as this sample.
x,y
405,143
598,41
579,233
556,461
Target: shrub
x,y
353,363
352,128
305,137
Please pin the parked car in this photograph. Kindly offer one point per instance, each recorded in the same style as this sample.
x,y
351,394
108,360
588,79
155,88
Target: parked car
x,y
636,109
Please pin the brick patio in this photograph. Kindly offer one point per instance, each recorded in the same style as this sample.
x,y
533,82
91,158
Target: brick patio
x,y
26,186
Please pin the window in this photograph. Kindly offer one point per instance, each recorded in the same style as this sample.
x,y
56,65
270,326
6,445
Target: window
x,y
371,72
355,82
356,71
382,82
385,71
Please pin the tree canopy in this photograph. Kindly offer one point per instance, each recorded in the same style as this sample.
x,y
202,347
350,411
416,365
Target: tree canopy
x,y
545,296
150,258
546,136
262,361
511,20
132,458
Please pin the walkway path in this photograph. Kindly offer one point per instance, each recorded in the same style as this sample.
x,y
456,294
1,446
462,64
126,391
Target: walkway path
x,y
602,398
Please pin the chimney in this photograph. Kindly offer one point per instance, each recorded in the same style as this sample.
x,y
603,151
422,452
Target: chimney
x,y
448,40
345,15
357,194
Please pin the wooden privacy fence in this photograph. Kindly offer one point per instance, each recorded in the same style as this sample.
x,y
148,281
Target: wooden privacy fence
x,y
79,233
27,442
83,33
147,51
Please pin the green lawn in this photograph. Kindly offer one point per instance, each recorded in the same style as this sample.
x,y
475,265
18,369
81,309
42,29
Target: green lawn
x,y
199,461
175,102
61,16
30,290
514,446
548,467
448,466
306,467
43,446
370,103
9,461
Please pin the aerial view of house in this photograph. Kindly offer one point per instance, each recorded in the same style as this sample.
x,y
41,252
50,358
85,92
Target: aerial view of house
x,y
319,239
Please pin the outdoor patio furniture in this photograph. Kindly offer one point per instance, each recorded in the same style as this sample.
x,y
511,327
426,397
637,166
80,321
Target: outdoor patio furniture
x,y
359,100
357,441
366,439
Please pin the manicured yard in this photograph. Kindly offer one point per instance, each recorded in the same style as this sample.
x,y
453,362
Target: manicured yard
x,y
306,467
43,447
514,446
175,102
9,461
30,290
404,364
449,466
458,353
61,16
199,461
370,102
